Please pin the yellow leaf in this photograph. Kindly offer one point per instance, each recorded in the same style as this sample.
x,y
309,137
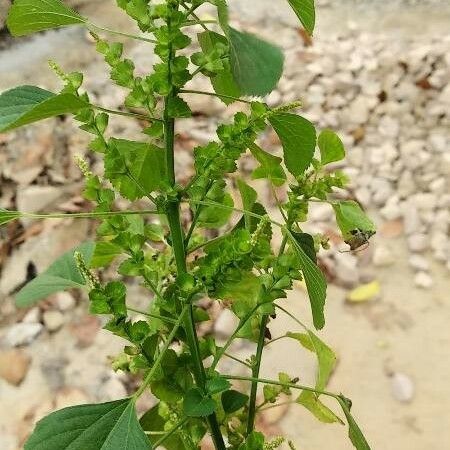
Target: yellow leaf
x,y
365,292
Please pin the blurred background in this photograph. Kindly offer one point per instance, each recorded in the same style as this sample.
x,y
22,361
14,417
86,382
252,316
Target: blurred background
x,y
376,71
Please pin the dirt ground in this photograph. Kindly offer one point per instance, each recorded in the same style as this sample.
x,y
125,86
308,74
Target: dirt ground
x,y
404,333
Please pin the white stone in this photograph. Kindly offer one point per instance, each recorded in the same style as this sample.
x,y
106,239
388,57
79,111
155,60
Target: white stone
x,y
389,127
391,211
381,190
53,320
419,262
438,186
438,142
346,267
64,301
35,198
383,257
402,387
112,389
225,324
424,200
418,242
23,333
320,212
423,280
359,110
32,316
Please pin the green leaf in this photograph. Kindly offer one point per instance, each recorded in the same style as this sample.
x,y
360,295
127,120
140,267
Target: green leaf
x,y
306,242
249,197
152,421
354,432
233,401
8,216
106,426
298,138
61,275
355,226
256,65
310,401
243,293
255,441
315,283
331,147
27,104
134,168
104,254
217,384
28,16
306,12
215,216
196,404
223,82
270,166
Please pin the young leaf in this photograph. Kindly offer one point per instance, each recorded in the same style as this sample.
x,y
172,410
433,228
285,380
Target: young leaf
x,y
315,283
134,168
254,441
106,426
305,11
310,401
331,147
298,137
233,401
354,432
196,404
249,197
28,16
8,216
223,82
152,421
217,384
256,65
105,252
351,219
27,104
270,166
61,275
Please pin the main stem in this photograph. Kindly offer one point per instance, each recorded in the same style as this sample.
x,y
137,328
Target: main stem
x,y
178,245
255,375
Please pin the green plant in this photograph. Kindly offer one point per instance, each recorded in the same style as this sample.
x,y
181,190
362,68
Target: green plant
x,y
177,264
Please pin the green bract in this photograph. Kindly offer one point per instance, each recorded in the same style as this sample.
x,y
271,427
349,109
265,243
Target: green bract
x,y
167,247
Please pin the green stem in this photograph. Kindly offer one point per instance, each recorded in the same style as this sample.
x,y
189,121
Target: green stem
x,y
213,94
153,316
166,346
120,33
279,383
255,375
87,215
240,361
127,114
230,340
179,250
170,433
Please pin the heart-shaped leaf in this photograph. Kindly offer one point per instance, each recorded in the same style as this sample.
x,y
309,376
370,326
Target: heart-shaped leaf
x,y
61,275
223,82
256,64
28,16
196,404
298,137
331,147
27,104
106,426
233,400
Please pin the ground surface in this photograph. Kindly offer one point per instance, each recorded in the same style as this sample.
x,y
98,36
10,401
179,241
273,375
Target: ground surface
x,y
393,351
